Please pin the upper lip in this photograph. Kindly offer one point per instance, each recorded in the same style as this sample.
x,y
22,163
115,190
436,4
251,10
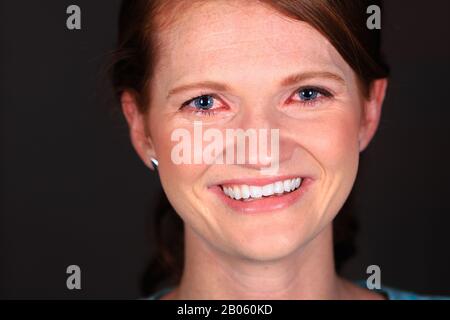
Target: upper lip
x,y
258,181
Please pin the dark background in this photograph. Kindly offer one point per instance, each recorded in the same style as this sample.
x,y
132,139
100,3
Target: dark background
x,y
74,191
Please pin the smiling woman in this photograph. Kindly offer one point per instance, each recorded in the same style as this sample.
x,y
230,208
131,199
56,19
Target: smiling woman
x,y
309,69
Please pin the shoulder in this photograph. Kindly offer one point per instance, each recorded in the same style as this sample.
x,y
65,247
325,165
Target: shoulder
x,y
398,294
159,294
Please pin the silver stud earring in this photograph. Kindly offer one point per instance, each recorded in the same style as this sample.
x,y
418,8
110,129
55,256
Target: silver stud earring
x,y
155,162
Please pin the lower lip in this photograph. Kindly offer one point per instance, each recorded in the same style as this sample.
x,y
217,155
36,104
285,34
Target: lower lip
x,y
264,204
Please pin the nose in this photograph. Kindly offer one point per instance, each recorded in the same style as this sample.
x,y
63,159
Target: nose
x,y
259,113
267,141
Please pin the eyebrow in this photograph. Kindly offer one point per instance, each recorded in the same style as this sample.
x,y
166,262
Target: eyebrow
x,y
288,81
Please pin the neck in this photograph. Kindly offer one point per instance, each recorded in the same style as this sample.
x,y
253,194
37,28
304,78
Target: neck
x,y
308,273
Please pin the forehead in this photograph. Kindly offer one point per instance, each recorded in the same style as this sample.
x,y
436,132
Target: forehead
x,y
235,39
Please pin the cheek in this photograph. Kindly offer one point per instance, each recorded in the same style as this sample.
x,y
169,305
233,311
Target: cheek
x,y
169,171
335,147
332,136
178,180
336,142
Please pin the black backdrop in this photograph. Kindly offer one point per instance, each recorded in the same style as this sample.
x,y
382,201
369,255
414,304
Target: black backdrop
x,y
74,192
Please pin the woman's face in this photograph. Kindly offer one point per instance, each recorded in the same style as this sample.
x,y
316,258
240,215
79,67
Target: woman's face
x,y
251,50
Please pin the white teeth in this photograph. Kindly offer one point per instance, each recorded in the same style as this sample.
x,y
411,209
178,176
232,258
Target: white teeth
x,y
267,190
278,187
287,185
237,192
245,191
293,184
256,192
298,181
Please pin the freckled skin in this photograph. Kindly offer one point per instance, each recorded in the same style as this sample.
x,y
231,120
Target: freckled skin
x,y
251,48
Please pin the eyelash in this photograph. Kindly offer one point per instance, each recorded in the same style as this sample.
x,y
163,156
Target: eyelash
x,y
210,112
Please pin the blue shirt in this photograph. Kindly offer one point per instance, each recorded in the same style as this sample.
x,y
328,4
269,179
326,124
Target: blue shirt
x,y
389,292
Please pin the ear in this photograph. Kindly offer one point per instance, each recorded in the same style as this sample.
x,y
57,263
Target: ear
x,y
136,122
370,117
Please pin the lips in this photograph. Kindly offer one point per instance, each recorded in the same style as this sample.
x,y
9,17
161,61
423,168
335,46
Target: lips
x,y
262,195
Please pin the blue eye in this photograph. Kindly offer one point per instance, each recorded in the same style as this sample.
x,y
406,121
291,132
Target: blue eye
x,y
204,102
308,94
